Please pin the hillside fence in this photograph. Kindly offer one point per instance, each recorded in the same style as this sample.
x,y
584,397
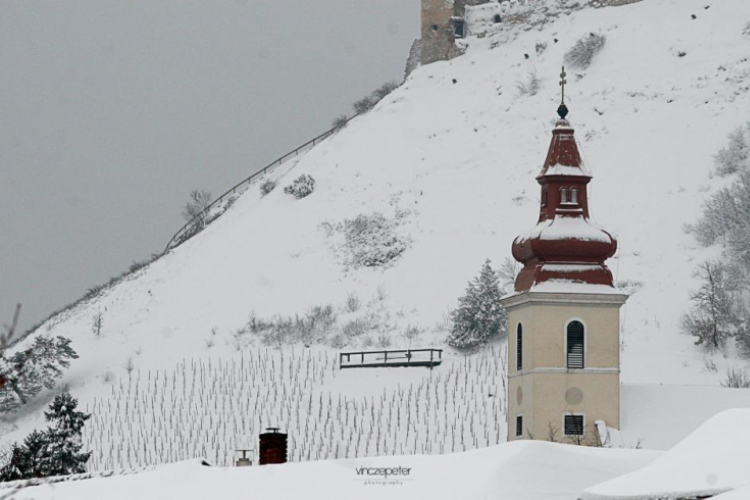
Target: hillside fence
x,y
191,228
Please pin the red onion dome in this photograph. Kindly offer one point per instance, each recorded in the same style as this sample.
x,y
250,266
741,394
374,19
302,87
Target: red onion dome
x,y
565,246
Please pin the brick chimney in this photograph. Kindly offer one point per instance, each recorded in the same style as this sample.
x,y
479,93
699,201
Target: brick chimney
x,y
273,447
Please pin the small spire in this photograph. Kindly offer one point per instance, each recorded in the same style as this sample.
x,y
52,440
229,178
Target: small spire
x,y
562,110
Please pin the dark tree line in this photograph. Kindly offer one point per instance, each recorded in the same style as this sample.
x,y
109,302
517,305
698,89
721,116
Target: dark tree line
x,y
55,451
721,305
23,374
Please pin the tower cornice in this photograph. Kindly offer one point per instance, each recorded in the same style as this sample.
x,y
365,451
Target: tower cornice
x,y
606,297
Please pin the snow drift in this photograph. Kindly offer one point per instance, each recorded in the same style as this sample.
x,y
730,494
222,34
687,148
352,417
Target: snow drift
x,y
518,471
712,460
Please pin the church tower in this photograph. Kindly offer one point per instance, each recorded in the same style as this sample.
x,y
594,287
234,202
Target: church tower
x,y
564,316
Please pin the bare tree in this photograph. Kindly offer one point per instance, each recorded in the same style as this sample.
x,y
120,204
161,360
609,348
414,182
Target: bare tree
x,y
737,378
196,209
10,330
552,434
507,273
411,335
5,339
711,321
97,323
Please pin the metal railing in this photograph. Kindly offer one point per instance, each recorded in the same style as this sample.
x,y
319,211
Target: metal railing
x,y
398,357
179,238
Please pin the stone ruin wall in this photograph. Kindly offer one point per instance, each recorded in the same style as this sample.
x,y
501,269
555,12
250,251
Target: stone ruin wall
x,y
437,42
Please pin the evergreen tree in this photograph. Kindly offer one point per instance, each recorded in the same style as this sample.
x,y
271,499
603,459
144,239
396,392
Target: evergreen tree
x,y
54,452
479,315
27,372
64,436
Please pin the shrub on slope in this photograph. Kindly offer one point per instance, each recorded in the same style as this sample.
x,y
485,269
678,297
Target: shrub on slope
x,y
301,187
583,51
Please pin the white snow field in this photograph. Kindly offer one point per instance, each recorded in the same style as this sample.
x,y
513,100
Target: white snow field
x,y
712,460
451,167
518,471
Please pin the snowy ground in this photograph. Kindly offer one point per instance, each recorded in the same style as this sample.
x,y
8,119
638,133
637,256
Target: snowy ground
x,y
452,166
519,471
660,416
712,460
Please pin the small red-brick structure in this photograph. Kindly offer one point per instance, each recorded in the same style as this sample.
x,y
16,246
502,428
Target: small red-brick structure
x,y
565,245
273,447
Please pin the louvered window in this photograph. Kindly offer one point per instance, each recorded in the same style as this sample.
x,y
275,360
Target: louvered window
x,y
574,425
519,347
519,425
563,195
575,344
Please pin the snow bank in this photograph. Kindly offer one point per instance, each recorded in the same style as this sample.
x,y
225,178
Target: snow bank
x,y
518,471
712,460
658,417
742,493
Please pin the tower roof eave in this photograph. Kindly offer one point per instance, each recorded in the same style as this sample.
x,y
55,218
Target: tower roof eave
x,y
565,171
566,293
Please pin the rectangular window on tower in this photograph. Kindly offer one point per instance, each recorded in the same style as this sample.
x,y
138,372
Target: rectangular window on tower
x,y
574,425
519,425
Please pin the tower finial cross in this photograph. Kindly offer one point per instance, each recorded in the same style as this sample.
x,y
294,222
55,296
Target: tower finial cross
x,y
563,81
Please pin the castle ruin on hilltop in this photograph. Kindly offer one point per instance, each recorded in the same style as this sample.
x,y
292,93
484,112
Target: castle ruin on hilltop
x,y
446,21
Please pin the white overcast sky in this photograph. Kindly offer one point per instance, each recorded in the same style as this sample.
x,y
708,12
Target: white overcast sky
x,y
112,111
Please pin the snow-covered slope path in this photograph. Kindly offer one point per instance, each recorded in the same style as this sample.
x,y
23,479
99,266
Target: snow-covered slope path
x,y
452,166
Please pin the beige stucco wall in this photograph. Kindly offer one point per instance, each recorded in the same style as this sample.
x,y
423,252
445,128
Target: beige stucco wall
x,y
544,404
545,379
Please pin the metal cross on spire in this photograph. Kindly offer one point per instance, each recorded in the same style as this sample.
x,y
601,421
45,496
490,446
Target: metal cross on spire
x,y
563,109
563,81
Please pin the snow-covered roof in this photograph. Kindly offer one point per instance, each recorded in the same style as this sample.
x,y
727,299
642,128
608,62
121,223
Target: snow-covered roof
x,y
566,228
587,291
572,286
712,460
558,169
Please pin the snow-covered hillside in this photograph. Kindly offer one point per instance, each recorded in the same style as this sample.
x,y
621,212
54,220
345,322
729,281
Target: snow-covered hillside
x,y
449,160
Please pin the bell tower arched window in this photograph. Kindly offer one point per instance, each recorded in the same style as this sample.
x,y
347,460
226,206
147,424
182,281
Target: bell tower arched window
x,y
575,345
519,347
563,195
574,195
